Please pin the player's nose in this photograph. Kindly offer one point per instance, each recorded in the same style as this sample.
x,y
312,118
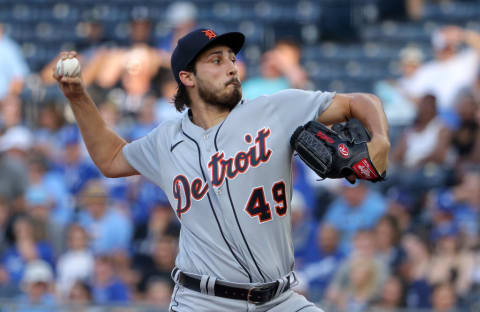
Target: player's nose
x,y
232,69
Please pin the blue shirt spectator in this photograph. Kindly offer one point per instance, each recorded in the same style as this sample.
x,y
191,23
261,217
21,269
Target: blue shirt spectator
x,y
322,261
13,65
49,186
24,250
76,169
358,208
110,229
280,69
255,87
14,262
106,287
147,196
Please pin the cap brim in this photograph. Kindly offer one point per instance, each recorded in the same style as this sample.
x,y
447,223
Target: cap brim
x,y
234,40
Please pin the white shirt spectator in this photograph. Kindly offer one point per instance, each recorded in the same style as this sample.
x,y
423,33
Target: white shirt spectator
x,y
444,79
72,266
421,143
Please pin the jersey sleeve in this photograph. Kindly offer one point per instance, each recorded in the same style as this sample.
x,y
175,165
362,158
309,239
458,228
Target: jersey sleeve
x,y
295,107
144,155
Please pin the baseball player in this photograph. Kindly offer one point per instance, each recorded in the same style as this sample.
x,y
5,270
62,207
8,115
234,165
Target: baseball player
x,y
226,169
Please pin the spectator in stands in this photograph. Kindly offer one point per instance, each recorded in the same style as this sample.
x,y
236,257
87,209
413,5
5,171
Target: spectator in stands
x,y
156,221
322,263
387,238
165,88
360,277
43,180
303,228
92,49
450,263
459,205
80,294
421,156
38,287
5,215
39,207
159,292
130,70
110,229
418,145
49,128
145,120
400,206
13,65
465,136
358,207
15,139
392,297
476,89
280,69
106,286
399,105
181,19
160,262
414,272
75,264
76,168
443,298
25,249
460,66
145,197
13,180
7,290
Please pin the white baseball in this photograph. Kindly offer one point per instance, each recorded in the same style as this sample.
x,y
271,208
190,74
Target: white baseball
x,y
69,67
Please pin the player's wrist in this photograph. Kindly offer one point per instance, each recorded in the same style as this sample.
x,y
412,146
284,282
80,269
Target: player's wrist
x,y
77,97
381,142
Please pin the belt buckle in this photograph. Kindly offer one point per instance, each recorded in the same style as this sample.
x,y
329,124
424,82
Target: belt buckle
x,y
249,295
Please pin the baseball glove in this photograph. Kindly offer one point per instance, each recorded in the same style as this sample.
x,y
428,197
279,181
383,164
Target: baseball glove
x,y
336,153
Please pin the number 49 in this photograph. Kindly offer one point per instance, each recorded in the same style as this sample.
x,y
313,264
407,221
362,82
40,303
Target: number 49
x,y
257,205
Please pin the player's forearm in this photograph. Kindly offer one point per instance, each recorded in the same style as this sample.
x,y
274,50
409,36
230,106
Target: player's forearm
x,y
369,110
102,143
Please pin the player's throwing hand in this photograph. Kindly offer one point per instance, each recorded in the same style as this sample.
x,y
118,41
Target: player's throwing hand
x,y
70,84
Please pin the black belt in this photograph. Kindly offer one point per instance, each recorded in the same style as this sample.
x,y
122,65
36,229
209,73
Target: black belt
x,y
256,295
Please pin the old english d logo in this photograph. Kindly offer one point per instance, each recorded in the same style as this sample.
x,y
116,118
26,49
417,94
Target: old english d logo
x,y
209,33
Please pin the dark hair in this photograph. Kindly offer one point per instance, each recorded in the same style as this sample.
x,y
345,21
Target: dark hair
x,y
181,99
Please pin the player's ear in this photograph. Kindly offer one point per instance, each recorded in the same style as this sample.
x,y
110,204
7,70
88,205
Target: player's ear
x,y
187,78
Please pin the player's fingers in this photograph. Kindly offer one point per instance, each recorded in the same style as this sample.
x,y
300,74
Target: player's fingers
x,y
351,178
63,55
70,80
72,54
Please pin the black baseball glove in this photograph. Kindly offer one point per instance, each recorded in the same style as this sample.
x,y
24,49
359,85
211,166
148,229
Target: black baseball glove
x,y
336,153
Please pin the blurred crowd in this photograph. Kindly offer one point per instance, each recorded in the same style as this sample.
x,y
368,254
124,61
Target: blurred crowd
x,y
70,236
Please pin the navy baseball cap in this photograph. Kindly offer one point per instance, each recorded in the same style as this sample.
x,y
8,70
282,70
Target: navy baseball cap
x,y
192,44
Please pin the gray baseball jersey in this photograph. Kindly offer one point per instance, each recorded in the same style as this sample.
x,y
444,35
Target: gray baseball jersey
x,y
230,185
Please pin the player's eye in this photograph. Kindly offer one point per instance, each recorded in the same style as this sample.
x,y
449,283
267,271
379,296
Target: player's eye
x,y
234,60
216,61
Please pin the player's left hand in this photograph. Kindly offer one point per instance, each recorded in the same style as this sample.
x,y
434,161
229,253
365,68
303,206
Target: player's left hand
x,y
342,151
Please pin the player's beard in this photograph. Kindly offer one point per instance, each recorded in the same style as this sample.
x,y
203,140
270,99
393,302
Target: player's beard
x,y
225,100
